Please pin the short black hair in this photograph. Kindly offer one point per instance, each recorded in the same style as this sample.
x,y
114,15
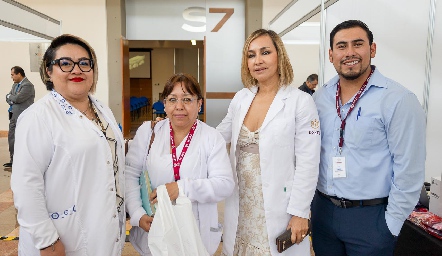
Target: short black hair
x,y
312,77
350,24
18,70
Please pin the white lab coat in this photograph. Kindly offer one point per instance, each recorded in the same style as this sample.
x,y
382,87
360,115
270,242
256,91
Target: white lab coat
x,y
63,180
289,147
206,177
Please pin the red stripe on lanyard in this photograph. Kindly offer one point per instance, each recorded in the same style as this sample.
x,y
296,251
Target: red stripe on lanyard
x,y
177,162
352,106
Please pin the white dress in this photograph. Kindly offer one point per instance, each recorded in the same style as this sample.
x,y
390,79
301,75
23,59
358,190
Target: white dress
x,y
251,236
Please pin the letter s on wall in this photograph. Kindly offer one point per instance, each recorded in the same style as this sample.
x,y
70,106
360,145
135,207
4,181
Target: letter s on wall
x,y
187,15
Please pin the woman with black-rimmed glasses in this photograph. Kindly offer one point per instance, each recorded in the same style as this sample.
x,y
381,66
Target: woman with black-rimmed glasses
x,y
68,178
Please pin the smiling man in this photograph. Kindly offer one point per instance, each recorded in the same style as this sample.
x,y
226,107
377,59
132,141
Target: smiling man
x,y
372,153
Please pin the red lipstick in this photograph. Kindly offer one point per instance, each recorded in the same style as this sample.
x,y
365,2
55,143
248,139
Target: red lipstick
x,y
76,79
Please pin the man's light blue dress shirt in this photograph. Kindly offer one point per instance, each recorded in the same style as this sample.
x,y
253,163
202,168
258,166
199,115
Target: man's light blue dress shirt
x,y
384,146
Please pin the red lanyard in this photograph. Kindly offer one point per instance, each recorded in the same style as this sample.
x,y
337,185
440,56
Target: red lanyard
x,y
177,162
352,106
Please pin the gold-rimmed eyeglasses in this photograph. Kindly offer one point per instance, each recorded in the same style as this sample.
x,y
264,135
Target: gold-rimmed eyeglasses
x,y
67,65
173,101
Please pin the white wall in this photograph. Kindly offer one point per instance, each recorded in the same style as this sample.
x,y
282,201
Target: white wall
x,y
223,57
162,67
305,61
434,121
400,32
83,18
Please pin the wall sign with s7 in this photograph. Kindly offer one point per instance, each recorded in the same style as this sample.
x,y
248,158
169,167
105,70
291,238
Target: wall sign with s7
x,y
198,14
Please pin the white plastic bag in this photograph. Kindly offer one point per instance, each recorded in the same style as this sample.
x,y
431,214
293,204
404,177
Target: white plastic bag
x,y
174,231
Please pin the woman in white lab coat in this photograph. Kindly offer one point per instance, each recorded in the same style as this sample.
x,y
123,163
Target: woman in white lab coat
x,y
274,133
68,170
204,176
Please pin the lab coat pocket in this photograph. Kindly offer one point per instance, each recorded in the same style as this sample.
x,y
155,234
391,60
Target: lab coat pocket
x,y
215,237
69,229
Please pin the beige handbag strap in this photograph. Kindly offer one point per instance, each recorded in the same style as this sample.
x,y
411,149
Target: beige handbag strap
x,y
152,137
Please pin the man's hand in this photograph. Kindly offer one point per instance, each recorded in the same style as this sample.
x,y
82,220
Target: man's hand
x,y
58,250
299,227
145,222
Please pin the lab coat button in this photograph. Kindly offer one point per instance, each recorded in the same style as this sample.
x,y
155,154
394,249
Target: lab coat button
x,y
108,162
118,240
112,189
115,216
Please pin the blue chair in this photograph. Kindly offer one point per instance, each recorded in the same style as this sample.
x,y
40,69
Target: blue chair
x,y
144,103
133,107
158,109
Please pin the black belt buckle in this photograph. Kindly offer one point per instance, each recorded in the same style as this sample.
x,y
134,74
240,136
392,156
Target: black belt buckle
x,y
345,203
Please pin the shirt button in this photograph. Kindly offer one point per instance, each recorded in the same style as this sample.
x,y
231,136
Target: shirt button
x,y
81,116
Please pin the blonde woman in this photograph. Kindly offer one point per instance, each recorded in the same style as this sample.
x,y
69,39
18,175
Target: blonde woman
x,y
274,133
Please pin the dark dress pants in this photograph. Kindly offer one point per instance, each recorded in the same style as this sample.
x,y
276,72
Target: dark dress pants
x,y
357,231
11,136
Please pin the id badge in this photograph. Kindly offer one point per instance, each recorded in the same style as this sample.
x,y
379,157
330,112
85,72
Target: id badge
x,y
339,167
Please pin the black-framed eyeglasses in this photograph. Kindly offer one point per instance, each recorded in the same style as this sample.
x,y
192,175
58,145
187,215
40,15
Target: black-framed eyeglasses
x,y
67,65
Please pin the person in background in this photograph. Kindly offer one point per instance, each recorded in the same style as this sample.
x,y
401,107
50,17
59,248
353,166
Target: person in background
x,y
19,98
274,133
202,173
310,84
372,155
68,178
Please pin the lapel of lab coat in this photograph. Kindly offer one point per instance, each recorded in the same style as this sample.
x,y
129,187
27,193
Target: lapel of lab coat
x,y
276,106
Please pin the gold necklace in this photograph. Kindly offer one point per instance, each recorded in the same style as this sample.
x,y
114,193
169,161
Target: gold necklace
x,y
97,120
89,106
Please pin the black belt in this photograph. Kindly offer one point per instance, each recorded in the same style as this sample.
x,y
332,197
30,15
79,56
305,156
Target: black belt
x,y
346,203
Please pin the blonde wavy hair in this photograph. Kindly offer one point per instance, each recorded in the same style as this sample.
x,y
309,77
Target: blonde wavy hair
x,y
285,69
